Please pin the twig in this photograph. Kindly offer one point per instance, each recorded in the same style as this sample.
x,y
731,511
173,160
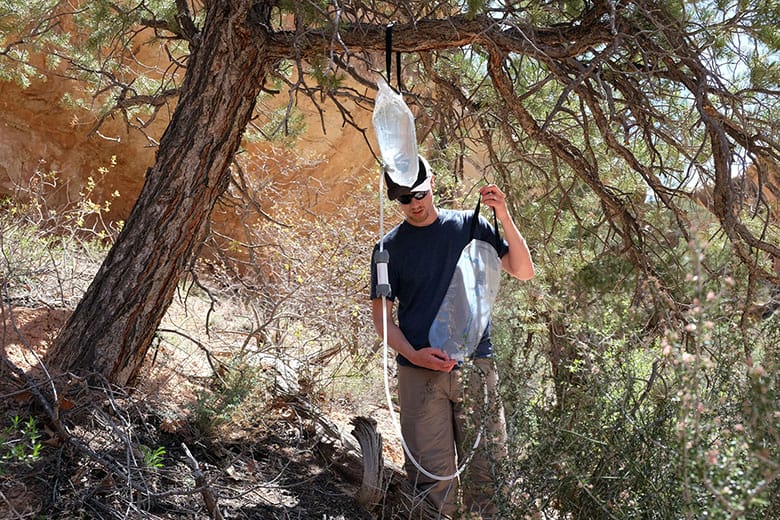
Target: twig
x,y
200,481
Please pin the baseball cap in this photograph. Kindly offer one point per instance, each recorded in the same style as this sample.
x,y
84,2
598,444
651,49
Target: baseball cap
x,y
422,183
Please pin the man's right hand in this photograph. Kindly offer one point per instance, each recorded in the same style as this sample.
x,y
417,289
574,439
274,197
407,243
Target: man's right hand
x,y
433,359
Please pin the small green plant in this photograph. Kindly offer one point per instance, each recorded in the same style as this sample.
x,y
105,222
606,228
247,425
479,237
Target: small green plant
x,y
20,441
153,458
233,398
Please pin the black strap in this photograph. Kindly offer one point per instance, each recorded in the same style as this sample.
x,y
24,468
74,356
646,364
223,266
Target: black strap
x,y
389,57
475,219
389,51
398,70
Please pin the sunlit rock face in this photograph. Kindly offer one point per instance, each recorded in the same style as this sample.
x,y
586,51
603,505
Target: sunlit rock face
x,y
41,140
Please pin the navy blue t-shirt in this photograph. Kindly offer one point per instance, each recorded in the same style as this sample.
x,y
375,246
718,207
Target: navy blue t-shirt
x,y
422,261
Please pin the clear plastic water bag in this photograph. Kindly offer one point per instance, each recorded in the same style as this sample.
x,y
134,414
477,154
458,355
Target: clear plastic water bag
x,y
464,313
395,134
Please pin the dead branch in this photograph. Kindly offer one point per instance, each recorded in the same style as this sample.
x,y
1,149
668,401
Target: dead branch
x,y
202,483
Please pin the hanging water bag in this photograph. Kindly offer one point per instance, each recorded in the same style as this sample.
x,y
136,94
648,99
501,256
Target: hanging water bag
x,y
395,134
464,312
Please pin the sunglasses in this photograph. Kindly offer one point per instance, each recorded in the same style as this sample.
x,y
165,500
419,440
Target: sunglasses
x,y
406,199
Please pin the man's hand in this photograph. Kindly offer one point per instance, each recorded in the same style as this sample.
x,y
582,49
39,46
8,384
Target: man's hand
x,y
434,359
494,198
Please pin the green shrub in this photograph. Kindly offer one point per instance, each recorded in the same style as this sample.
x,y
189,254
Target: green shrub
x,y
616,411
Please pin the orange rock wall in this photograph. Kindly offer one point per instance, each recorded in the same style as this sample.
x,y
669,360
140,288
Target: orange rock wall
x,y
37,133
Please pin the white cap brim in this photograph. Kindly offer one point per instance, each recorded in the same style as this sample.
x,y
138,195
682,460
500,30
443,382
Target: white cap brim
x,y
426,184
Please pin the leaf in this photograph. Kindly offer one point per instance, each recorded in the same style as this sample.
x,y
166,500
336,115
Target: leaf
x,y
65,403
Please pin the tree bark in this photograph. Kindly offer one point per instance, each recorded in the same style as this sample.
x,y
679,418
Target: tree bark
x,y
112,327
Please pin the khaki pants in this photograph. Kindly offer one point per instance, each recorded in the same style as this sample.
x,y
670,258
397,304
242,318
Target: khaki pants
x,y
441,415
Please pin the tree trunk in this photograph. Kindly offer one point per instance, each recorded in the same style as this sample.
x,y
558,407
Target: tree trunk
x,y
113,325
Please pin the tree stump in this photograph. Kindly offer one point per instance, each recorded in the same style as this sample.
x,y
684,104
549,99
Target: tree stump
x,y
370,493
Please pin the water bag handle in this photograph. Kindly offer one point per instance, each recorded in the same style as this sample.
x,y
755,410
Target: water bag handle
x,y
474,221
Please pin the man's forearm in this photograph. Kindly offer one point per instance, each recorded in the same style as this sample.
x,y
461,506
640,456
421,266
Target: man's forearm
x,y
517,261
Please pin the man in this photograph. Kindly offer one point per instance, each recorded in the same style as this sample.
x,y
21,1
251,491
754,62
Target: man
x,y
441,402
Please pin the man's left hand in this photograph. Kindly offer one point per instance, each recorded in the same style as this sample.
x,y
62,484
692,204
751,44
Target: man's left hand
x,y
492,196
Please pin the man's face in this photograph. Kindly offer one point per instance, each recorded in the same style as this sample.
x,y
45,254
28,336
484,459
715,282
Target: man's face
x,y
419,211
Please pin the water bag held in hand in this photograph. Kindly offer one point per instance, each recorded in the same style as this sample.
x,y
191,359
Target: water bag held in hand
x,y
395,133
464,312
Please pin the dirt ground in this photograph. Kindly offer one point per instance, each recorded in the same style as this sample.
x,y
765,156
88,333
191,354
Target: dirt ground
x,y
279,464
